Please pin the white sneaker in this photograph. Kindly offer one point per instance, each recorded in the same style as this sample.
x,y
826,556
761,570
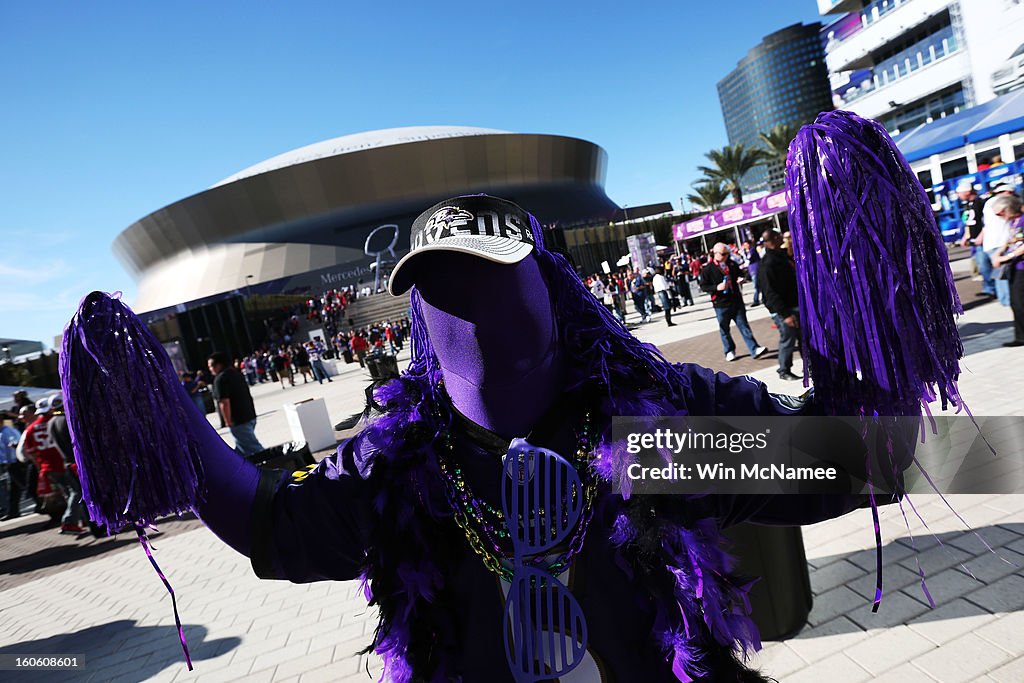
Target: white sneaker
x,y
760,351
731,356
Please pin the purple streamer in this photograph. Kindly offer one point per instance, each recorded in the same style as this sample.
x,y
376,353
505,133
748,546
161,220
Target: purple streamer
x,y
878,549
917,556
936,537
959,517
877,299
126,411
167,584
874,518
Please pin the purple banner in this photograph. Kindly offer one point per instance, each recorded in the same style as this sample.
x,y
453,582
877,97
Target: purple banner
x,y
841,29
765,206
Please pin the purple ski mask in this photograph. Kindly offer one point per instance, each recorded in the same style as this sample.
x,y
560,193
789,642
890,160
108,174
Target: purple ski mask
x,y
495,338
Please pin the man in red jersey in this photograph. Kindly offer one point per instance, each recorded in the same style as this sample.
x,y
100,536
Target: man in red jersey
x,y
39,447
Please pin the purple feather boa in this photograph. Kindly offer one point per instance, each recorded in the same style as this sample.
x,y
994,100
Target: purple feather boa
x,y
876,293
703,584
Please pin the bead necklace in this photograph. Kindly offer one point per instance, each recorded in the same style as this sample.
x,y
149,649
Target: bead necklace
x,y
489,539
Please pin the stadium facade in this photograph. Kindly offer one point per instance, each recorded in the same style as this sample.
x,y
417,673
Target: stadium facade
x,y
299,222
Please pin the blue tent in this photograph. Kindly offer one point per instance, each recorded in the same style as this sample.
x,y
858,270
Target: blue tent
x,y
989,120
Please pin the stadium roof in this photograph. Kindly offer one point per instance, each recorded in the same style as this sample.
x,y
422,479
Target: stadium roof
x,y
986,121
358,142
303,215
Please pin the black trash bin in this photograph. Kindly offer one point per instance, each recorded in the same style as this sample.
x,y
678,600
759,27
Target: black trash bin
x,y
372,367
346,353
207,396
291,455
388,367
781,601
382,366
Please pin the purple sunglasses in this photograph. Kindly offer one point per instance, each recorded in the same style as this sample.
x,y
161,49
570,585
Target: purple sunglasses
x,y
545,630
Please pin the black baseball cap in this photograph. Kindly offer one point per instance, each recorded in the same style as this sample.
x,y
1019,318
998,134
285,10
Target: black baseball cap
x,y
488,227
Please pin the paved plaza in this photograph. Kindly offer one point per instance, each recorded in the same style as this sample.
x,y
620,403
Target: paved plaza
x,y
102,600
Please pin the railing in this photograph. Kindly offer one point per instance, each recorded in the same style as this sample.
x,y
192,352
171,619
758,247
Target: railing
x,y
854,23
933,48
868,15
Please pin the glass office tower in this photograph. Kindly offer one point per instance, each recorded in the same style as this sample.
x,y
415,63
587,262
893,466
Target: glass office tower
x,y
783,80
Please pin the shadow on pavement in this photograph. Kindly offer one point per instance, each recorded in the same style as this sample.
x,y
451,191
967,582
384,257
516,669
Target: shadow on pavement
x,y
120,650
62,554
947,580
978,337
31,550
977,301
28,524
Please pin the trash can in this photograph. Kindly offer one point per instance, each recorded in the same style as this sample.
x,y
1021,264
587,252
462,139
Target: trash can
x,y
309,423
781,601
388,367
207,395
346,353
372,367
291,455
382,366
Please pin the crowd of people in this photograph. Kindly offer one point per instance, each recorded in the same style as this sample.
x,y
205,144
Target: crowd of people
x,y
283,363
35,452
229,381
667,287
39,464
994,230
287,361
327,309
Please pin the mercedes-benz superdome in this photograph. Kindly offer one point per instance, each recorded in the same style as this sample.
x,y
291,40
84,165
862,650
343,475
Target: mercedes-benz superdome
x,y
299,222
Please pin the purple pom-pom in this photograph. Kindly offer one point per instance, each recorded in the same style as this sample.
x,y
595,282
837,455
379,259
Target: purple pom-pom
x,y
137,458
876,293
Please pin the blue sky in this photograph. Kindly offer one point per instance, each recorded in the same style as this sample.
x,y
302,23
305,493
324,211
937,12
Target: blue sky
x,y
112,110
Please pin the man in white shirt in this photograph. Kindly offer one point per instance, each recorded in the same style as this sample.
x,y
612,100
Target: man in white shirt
x,y
661,288
995,234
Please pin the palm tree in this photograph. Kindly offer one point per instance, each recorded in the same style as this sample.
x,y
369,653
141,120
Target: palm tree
x,y
776,141
776,146
730,164
708,194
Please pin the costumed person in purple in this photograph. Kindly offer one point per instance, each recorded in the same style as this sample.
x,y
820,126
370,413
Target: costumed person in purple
x,y
479,502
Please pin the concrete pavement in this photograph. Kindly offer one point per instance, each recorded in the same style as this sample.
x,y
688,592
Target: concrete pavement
x,y
110,607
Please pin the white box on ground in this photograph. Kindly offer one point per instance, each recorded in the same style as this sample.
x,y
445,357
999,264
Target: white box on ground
x,y
309,422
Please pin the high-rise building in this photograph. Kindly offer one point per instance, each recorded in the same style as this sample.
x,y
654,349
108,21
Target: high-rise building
x,y
908,62
783,80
